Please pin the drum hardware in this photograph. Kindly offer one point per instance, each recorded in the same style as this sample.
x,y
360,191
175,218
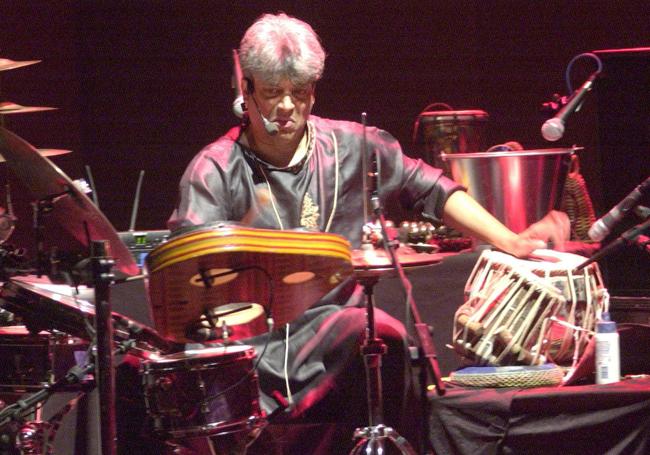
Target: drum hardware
x,y
371,439
18,433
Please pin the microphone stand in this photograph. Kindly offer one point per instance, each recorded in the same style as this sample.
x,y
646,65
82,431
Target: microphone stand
x,y
626,238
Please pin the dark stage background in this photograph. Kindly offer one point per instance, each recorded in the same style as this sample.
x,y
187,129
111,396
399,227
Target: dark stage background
x,y
143,85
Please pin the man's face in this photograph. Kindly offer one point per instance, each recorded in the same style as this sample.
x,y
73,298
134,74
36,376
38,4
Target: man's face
x,y
285,104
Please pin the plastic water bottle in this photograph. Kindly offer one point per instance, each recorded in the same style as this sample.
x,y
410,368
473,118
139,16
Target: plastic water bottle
x,y
608,361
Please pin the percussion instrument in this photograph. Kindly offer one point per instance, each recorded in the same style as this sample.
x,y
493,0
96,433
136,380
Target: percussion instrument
x,y
32,361
205,392
528,311
7,107
8,64
449,131
517,187
372,262
207,267
45,306
73,210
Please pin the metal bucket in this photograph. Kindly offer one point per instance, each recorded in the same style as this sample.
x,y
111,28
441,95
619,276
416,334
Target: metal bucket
x,y
518,188
446,132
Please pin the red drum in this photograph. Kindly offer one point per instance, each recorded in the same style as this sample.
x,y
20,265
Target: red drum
x,y
32,361
560,307
204,392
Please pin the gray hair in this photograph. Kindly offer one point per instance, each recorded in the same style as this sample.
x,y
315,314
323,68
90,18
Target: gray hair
x,y
281,46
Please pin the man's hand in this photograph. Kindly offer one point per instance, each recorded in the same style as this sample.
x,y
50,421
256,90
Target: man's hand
x,y
555,228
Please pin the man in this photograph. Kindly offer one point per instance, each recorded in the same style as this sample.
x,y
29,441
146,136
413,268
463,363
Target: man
x,y
287,169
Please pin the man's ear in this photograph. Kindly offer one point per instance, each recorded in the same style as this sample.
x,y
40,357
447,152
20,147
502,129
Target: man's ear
x,y
247,86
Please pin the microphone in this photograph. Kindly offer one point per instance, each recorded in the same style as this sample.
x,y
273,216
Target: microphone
x,y
553,128
238,106
601,228
271,128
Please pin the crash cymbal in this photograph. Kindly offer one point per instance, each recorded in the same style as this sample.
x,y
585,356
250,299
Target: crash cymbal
x,y
6,64
45,152
7,107
72,209
376,262
211,267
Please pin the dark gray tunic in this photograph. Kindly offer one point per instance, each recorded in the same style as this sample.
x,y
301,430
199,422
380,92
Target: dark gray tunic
x,y
220,184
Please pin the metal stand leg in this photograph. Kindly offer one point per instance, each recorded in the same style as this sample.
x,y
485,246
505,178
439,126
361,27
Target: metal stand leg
x,y
372,437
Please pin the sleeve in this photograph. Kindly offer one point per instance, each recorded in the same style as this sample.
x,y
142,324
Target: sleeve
x,y
202,194
419,186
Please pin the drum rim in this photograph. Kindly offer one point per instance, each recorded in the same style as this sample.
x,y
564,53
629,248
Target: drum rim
x,y
469,114
253,422
203,357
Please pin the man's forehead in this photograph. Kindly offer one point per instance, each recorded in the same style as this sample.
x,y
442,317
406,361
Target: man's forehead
x,y
282,82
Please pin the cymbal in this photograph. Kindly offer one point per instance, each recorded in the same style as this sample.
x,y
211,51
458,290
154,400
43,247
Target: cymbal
x,y
45,152
368,263
7,107
6,64
216,265
73,210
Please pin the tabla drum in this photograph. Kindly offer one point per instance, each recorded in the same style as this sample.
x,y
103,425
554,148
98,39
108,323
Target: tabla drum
x,y
501,285
203,392
509,323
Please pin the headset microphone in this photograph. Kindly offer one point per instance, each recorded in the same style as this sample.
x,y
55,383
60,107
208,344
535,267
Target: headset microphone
x,y
271,128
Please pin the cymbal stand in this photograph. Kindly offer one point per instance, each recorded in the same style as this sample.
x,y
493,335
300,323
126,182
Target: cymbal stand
x,y
374,435
101,266
40,208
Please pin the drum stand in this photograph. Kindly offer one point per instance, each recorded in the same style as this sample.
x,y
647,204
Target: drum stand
x,y
373,436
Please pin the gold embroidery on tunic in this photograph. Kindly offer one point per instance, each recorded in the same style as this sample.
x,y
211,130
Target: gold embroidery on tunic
x,y
309,215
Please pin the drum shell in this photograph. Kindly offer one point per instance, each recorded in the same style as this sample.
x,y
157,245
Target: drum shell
x,y
31,361
177,387
445,132
517,187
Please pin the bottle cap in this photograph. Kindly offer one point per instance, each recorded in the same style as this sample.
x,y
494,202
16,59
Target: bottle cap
x,y
605,324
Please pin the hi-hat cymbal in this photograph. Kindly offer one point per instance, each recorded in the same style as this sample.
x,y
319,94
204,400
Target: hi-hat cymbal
x,y
7,107
6,64
45,152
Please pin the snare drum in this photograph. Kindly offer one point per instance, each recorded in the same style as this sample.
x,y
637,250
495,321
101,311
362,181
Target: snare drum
x,y
564,319
204,392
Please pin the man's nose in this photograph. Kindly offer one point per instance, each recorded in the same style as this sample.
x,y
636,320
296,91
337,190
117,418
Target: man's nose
x,y
286,103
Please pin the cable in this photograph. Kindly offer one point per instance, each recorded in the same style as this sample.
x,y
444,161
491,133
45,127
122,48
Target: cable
x,y
567,72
